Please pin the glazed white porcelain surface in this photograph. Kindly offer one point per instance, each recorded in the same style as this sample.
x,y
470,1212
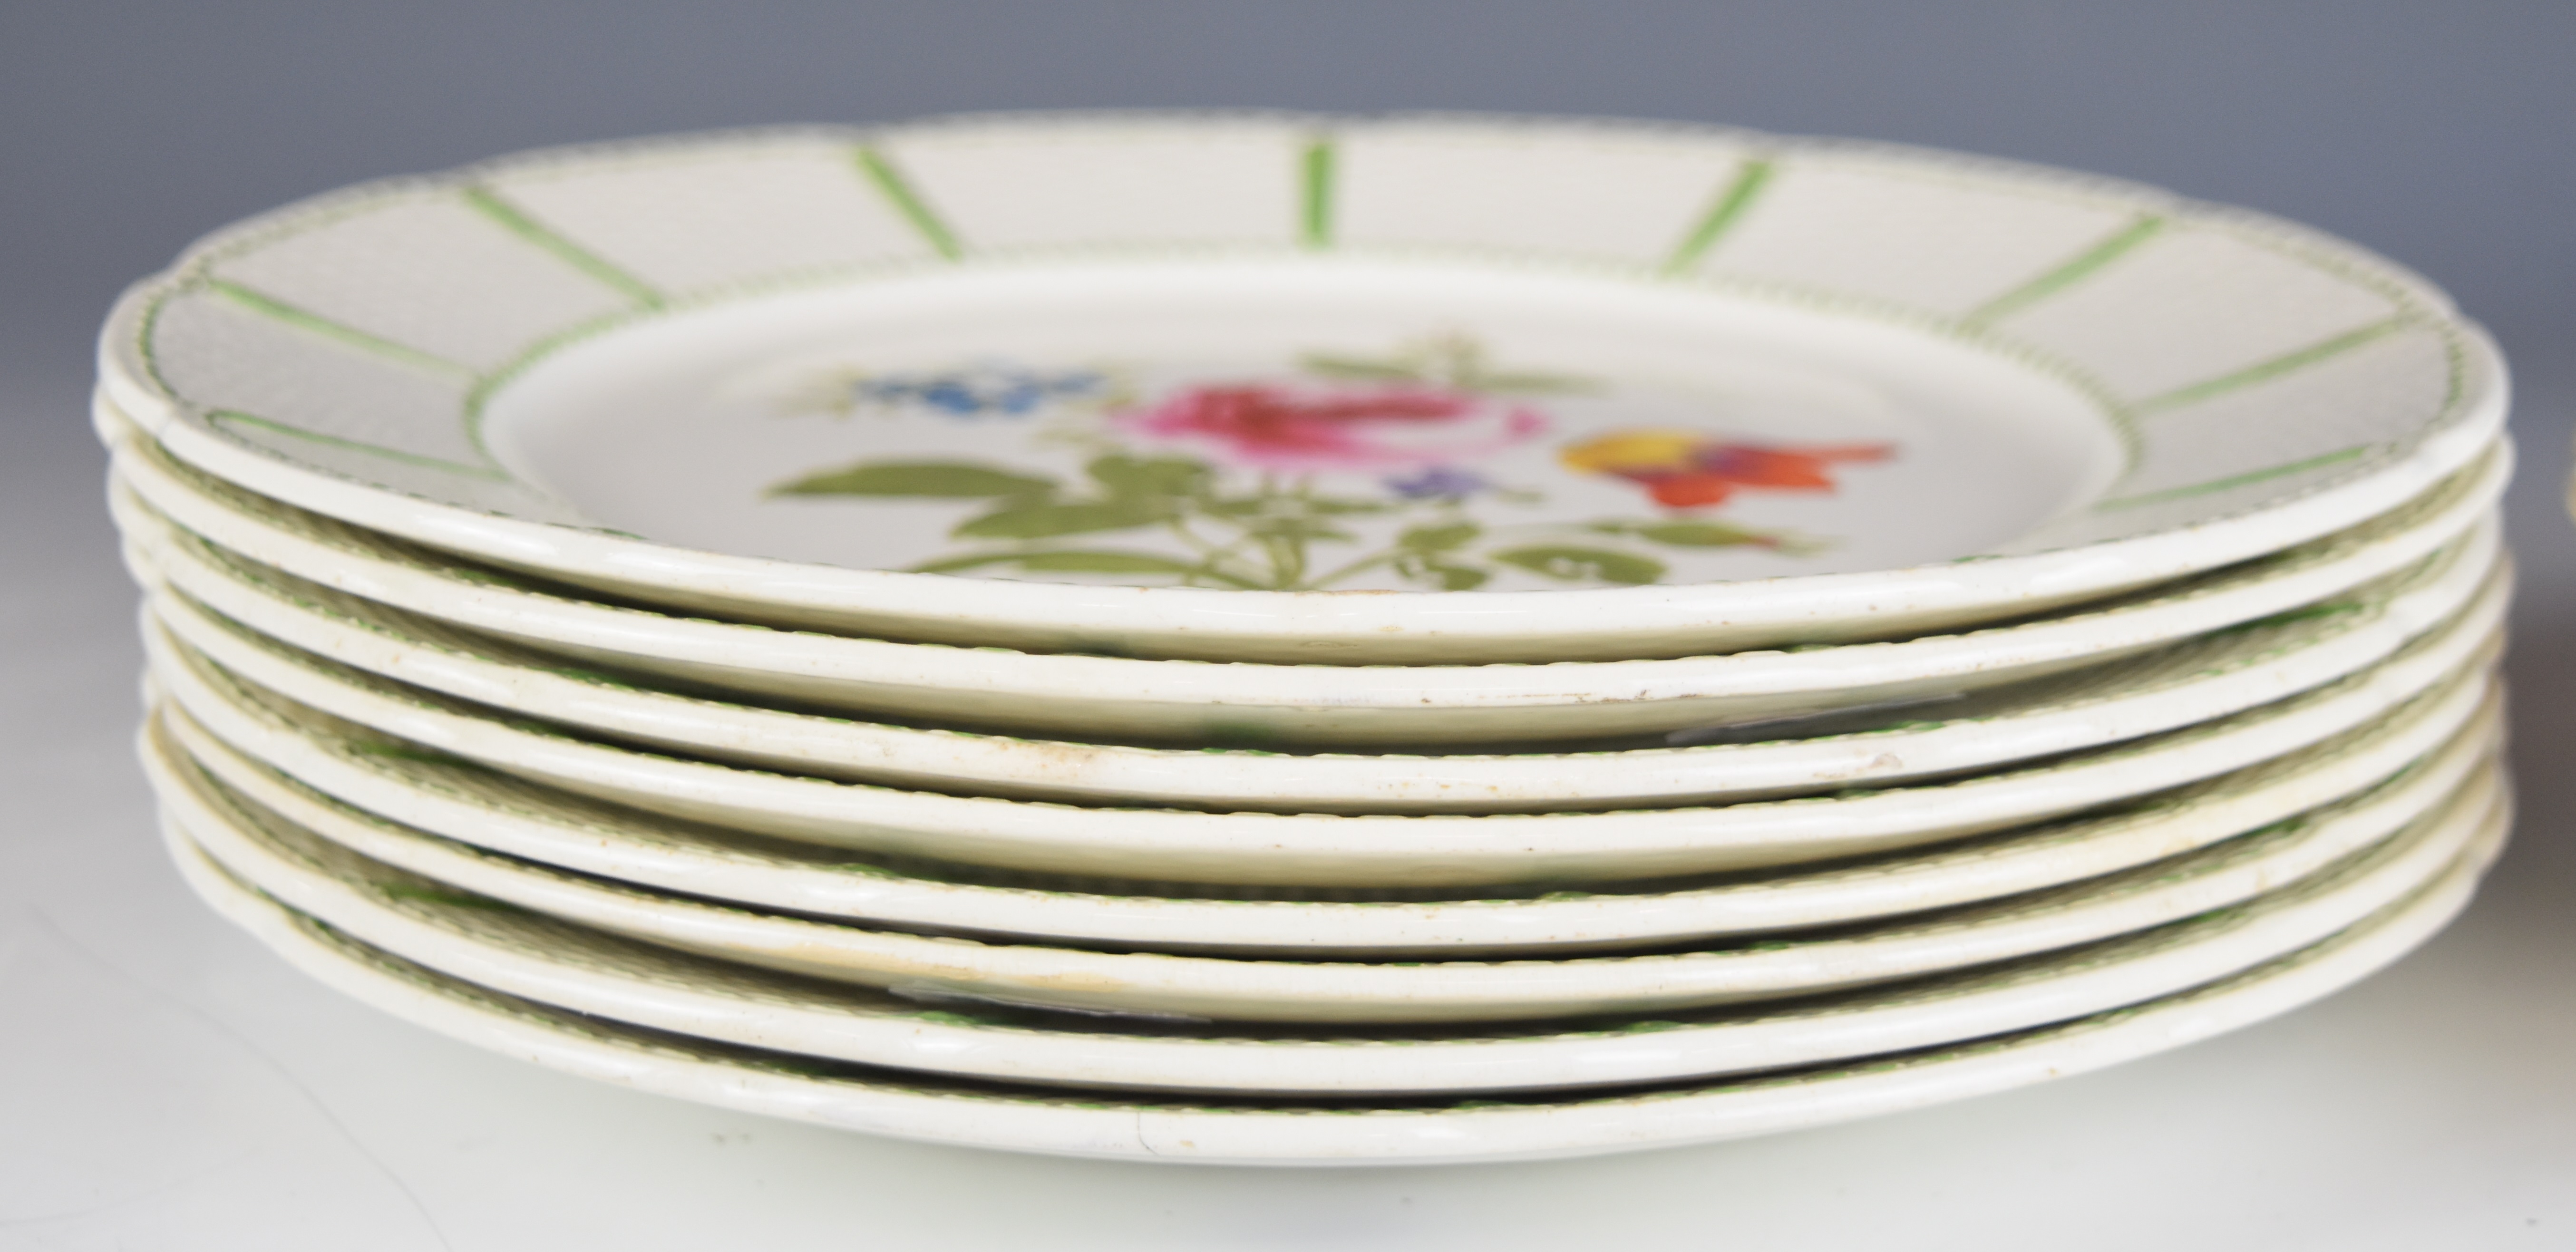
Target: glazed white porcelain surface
x,y
883,1102
2173,687
304,765
479,939
1325,849
1350,992
1090,699
1405,389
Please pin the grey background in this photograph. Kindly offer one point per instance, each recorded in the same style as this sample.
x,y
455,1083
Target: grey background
x,y
2431,1106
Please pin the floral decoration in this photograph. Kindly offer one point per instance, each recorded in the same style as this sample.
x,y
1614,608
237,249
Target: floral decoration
x,y
1337,426
1683,469
976,389
1247,483
1437,482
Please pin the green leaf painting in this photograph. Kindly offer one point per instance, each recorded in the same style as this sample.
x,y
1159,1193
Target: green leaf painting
x,y
1156,479
1046,520
943,480
1568,563
1692,533
1440,538
1066,560
1450,360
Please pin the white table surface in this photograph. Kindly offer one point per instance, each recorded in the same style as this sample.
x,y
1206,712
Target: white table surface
x,y
164,1083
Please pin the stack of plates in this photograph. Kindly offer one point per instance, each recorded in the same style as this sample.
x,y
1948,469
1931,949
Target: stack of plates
x,y
1279,639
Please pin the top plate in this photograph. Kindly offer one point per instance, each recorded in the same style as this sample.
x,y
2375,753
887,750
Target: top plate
x,y
1183,385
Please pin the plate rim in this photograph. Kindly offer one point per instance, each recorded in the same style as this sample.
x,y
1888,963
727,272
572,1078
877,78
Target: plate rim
x,y
2194,681
1455,849
1237,624
760,661
2351,881
1466,1131
292,759
1323,994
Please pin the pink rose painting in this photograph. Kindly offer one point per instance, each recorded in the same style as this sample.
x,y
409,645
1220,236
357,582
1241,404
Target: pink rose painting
x,y
1295,427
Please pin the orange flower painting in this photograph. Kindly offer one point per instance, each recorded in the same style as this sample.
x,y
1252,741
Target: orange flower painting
x,y
1683,469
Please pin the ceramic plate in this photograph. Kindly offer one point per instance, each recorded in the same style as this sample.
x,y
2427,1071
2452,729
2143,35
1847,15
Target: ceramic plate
x,y
1094,698
916,1106
279,755
242,624
1321,849
1339,992
483,941
2571,497
1293,388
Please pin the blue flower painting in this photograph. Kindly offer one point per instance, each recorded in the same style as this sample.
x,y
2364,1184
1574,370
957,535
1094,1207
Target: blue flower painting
x,y
982,389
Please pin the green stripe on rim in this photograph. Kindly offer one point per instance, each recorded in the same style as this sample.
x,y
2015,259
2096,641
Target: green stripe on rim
x,y
1315,192
517,221
224,417
898,192
2247,479
305,319
1732,202
2067,273
2266,371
